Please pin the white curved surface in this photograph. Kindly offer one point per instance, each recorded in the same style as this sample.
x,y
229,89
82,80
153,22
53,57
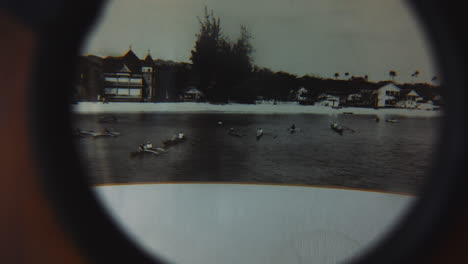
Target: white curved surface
x,y
217,223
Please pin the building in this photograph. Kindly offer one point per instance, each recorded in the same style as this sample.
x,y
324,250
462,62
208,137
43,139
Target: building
x,y
427,105
387,96
193,95
361,98
301,94
127,78
149,77
89,82
409,99
328,100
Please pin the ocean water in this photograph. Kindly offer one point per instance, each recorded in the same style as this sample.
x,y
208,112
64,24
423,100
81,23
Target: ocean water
x,y
375,155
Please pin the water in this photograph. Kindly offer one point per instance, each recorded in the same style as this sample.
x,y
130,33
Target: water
x,y
378,156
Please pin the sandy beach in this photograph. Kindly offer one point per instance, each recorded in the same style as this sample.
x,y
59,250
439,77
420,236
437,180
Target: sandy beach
x,y
281,108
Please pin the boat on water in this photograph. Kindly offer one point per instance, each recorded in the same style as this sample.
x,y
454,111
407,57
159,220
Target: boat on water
x,y
233,133
348,113
259,133
108,134
391,120
293,129
173,141
91,133
337,128
142,150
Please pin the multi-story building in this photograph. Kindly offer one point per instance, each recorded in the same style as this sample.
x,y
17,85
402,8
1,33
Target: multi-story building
x,y
409,99
127,78
387,95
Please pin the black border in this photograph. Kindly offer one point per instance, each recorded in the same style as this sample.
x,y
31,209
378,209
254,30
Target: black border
x,y
442,200
420,232
84,218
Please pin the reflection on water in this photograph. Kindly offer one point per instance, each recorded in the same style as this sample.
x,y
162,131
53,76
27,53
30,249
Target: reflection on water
x,y
375,155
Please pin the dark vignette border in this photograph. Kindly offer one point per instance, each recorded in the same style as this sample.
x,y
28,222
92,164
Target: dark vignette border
x,y
62,30
441,205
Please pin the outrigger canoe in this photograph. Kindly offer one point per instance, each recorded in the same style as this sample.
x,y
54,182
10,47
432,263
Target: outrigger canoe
x,y
259,134
108,134
153,151
337,128
294,130
85,133
172,142
391,120
235,134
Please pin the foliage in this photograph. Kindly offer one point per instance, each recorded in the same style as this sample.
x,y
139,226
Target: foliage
x,y
222,66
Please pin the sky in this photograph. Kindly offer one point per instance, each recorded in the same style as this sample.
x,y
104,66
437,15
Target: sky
x,y
315,37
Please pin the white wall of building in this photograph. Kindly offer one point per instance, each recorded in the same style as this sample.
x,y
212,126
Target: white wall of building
x,y
328,100
427,106
135,92
387,93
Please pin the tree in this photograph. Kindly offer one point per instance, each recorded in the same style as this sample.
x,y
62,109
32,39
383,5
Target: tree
x,y
415,74
205,54
337,75
241,66
223,66
392,74
435,78
346,73
366,77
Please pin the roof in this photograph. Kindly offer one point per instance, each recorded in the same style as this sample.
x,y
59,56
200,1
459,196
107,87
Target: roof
x,y
129,59
390,86
132,61
409,92
112,64
148,61
194,91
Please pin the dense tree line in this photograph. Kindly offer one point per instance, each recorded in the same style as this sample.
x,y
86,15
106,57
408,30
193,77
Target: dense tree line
x,y
224,71
223,66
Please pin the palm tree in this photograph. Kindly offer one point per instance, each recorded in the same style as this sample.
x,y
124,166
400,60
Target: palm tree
x,y
336,75
392,74
415,74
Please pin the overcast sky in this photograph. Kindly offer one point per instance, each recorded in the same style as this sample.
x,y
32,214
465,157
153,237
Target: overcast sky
x,y
317,37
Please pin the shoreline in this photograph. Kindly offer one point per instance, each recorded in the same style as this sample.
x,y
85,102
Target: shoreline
x,y
280,108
